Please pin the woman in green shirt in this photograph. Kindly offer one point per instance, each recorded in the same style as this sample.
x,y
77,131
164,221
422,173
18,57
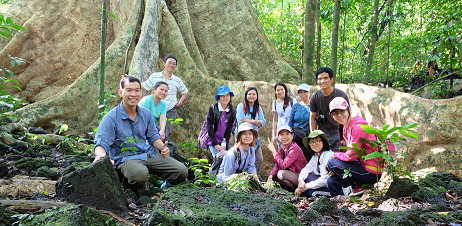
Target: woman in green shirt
x,y
157,107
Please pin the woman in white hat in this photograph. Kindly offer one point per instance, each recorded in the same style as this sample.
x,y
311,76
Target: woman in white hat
x,y
300,119
241,157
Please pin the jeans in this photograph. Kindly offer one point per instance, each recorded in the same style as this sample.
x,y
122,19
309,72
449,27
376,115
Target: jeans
x,y
334,139
172,113
258,156
359,176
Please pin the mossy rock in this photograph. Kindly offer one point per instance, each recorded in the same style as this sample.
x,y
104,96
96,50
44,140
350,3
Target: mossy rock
x,y
414,216
325,206
97,185
70,215
242,182
66,147
44,153
402,187
79,165
430,195
5,216
188,204
438,180
50,173
3,168
30,164
310,216
455,187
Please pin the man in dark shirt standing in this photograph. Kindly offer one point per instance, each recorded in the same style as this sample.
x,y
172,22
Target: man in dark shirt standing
x,y
319,107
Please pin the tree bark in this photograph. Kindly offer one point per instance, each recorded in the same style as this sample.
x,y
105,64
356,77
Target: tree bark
x,y
308,50
318,30
373,40
333,55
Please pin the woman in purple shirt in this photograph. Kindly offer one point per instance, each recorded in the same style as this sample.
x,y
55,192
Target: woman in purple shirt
x,y
220,121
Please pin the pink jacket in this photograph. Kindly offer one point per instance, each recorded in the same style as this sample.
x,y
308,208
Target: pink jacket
x,y
294,160
352,134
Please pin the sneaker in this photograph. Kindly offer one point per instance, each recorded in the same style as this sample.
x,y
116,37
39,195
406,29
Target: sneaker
x,y
347,191
166,185
357,190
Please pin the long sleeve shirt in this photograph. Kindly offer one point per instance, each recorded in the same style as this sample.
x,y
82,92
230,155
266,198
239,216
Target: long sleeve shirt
x,y
300,116
292,159
240,115
230,163
317,165
125,139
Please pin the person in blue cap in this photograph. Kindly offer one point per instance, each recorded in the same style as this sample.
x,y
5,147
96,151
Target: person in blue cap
x,y
220,121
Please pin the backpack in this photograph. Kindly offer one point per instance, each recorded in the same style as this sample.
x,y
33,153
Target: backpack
x,y
203,137
218,159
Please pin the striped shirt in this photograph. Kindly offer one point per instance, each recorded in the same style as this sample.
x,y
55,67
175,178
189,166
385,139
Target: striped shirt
x,y
175,84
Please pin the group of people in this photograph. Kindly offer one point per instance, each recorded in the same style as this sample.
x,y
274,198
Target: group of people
x,y
305,139
304,143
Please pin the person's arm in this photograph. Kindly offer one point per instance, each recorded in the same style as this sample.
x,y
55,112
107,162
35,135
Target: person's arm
x,y
313,123
275,121
322,180
239,117
162,147
293,154
162,124
104,138
183,98
292,116
228,164
261,118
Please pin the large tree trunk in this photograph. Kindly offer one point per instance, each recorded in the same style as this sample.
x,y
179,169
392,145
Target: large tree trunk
x,y
333,54
308,50
214,41
318,34
373,40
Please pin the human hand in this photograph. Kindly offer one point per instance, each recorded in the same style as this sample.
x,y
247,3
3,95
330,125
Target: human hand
x,y
271,147
330,173
270,179
165,152
162,134
301,185
275,140
219,147
298,192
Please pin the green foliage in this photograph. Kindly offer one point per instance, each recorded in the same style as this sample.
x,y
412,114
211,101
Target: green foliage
x,y
128,144
177,121
201,167
62,127
397,135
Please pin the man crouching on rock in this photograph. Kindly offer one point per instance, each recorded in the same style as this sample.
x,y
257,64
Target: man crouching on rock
x,y
129,135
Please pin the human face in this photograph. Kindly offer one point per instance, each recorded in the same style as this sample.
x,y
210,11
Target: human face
x,y
316,144
246,137
161,92
170,65
252,96
341,116
304,95
224,100
324,81
285,137
280,92
130,94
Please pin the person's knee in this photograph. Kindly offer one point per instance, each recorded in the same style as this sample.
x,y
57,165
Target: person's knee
x,y
137,175
181,174
280,174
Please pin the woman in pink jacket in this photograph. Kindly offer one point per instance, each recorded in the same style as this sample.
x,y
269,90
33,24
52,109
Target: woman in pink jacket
x,y
288,160
361,172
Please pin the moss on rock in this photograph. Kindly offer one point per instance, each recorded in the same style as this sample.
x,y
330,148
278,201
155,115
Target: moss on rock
x,y
325,206
29,164
188,204
455,187
50,173
414,216
5,216
402,187
242,182
70,215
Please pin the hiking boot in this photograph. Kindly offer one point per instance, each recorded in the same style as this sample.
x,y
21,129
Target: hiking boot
x,y
357,190
166,185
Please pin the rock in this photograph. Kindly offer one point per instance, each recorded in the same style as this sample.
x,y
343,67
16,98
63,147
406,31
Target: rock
x,y
370,212
70,215
390,204
3,168
455,187
5,216
402,187
66,147
36,130
96,185
188,204
144,200
20,146
29,164
27,185
310,216
50,173
242,182
68,170
430,195
414,216
325,206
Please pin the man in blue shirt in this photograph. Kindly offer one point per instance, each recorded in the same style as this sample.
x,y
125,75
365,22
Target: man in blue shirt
x,y
128,134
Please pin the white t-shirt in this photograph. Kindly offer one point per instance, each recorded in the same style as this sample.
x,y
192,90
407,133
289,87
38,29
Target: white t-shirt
x,y
283,116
